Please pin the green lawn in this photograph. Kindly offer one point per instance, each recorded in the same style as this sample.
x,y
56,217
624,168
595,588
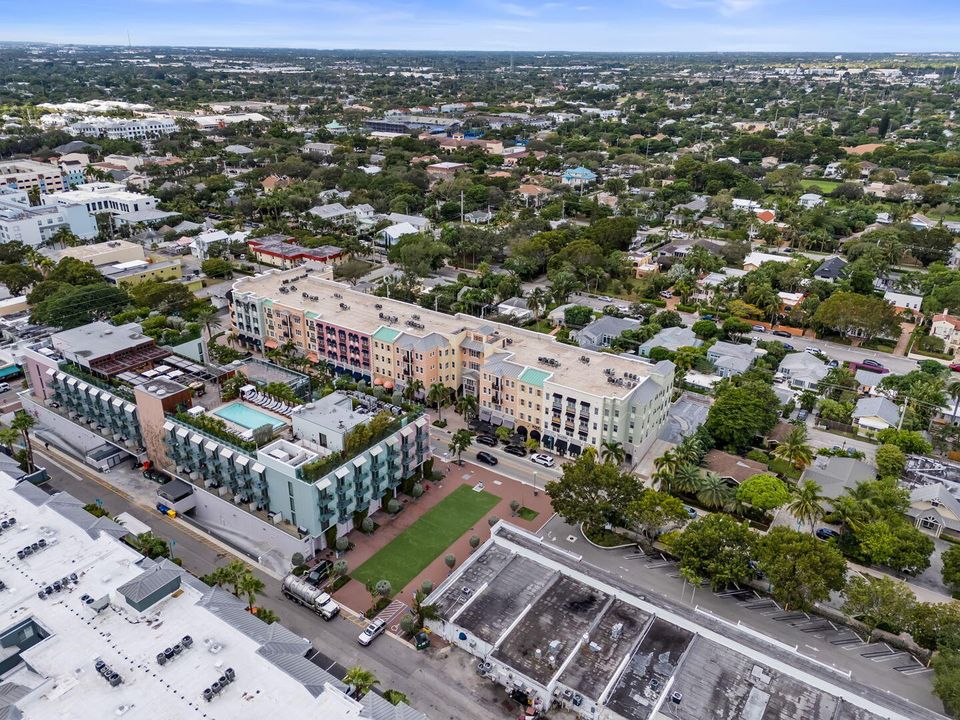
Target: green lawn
x,y
527,514
422,542
823,186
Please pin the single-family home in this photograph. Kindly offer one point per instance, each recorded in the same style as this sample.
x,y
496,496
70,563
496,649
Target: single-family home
x,y
671,339
835,475
389,236
876,413
947,327
803,370
318,149
478,217
934,510
884,218
867,382
789,300
755,259
421,223
275,182
745,205
200,245
241,150
732,468
445,170
903,302
533,193
730,359
603,331
335,213
830,269
515,307
808,201
578,177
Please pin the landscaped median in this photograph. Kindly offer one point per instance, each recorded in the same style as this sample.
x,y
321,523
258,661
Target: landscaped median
x,y
421,543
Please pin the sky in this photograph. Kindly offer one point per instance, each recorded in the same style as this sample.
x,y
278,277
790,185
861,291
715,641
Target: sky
x,y
574,25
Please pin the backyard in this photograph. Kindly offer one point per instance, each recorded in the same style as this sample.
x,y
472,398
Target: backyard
x,y
417,546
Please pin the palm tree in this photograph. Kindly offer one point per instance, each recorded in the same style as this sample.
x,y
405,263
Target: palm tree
x,y
8,436
612,452
461,440
690,450
229,574
207,317
437,394
794,448
413,388
712,490
953,390
24,422
666,469
537,301
152,546
848,512
251,586
687,479
467,406
807,504
361,680
422,612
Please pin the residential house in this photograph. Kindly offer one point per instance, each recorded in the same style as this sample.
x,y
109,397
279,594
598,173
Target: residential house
x,y
515,307
755,259
391,235
745,205
903,302
934,510
275,182
808,201
867,382
478,217
578,177
533,194
876,413
803,370
671,339
836,475
603,331
445,170
947,328
830,270
733,469
421,223
730,359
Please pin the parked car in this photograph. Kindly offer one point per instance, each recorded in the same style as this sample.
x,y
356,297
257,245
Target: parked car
x,y
788,346
691,511
4,386
371,631
486,458
543,459
515,450
708,316
759,328
833,364
781,333
955,367
871,363
802,415
488,440
827,533
812,350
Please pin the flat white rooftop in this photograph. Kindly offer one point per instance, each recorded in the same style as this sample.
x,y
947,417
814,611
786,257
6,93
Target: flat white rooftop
x,y
50,668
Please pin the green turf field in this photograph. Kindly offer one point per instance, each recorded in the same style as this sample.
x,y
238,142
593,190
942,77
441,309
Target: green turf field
x,y
424,541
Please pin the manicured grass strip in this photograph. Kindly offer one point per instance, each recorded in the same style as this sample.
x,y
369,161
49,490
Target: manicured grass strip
x,y
429,536
527,514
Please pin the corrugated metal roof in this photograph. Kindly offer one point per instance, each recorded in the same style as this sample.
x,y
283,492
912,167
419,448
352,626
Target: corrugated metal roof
x,y
147,583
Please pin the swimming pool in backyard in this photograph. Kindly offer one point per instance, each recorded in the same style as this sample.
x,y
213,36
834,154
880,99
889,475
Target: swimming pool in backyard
x,y
246,416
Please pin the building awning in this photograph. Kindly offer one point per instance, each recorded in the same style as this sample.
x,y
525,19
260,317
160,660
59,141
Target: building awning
x,y
242,460
376,451
496,421
258,468
359,462
484,415
9,371
509,423
211,446
342,472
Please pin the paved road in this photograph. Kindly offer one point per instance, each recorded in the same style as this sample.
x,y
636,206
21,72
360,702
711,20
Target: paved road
x,y
845,353
423,677
519,469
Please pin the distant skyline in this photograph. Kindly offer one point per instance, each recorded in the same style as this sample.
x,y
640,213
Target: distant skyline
x,y
574,25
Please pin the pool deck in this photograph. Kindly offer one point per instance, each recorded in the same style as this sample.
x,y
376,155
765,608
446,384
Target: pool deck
x,y
279,421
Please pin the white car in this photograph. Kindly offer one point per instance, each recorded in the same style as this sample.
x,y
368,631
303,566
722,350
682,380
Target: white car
x,y
371,631
542,459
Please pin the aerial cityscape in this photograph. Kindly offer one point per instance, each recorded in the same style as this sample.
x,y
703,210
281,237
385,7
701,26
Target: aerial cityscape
x,y
498,361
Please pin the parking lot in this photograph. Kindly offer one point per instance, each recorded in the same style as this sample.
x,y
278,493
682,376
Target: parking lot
x,y
831,644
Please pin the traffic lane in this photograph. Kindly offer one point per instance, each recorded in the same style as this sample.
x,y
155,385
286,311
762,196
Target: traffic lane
x,y
520,469
396,664
843,353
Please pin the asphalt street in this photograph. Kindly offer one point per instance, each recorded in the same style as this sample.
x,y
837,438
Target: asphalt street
x,y
422,676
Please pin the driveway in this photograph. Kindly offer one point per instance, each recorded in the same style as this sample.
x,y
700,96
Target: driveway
x,y
687,414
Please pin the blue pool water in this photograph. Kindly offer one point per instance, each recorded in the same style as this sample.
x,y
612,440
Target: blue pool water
x,y
246,416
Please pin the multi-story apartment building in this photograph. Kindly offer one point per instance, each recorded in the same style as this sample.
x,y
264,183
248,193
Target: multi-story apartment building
x,y
35,225
307,468
116,129
102,197
566,397
30,174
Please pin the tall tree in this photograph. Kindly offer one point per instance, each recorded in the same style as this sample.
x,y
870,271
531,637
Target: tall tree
x,y
593,493
459,443
24,422
807,504
795,449
801,569
715,547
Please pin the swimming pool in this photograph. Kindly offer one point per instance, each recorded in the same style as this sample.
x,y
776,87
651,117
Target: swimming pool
x,y
246,416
